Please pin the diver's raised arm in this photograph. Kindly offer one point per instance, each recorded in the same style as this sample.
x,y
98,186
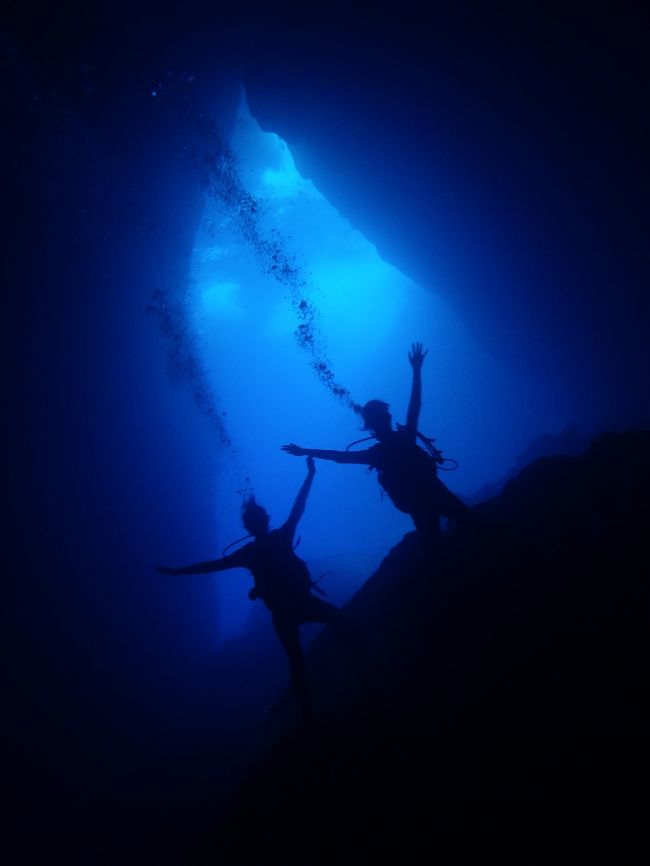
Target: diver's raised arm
x,y
336,456
298,508
416,359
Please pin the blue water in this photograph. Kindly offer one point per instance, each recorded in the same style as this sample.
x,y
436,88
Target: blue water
x,y
262,257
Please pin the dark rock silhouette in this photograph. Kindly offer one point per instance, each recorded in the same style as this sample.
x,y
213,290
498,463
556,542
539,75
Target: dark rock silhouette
x,y
569,442
507,712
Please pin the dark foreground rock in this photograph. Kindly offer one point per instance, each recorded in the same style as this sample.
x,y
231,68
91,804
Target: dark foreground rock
x,y
501,707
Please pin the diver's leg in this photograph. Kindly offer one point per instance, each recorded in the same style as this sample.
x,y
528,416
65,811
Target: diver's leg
x,y
460,514
318,610
451,505
287,631
315,609
427,523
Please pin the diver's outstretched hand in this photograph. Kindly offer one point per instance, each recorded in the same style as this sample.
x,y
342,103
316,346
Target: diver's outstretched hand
x,y
417,356
163,569
295,450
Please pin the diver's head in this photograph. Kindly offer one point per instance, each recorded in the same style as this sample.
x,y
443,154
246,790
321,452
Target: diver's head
x,y
376,418
254,517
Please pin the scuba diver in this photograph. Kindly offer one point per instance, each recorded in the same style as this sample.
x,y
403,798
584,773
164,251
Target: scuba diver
x,y
407,473
281,580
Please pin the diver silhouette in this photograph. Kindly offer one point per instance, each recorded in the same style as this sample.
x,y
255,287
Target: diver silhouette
x,y
406,472
282,581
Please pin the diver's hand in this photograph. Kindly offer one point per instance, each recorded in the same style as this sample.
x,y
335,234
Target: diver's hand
x,y
417,356
311,466
163,569
295,450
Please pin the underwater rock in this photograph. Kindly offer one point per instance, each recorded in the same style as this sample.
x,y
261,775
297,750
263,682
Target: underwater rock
x,y
505,702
